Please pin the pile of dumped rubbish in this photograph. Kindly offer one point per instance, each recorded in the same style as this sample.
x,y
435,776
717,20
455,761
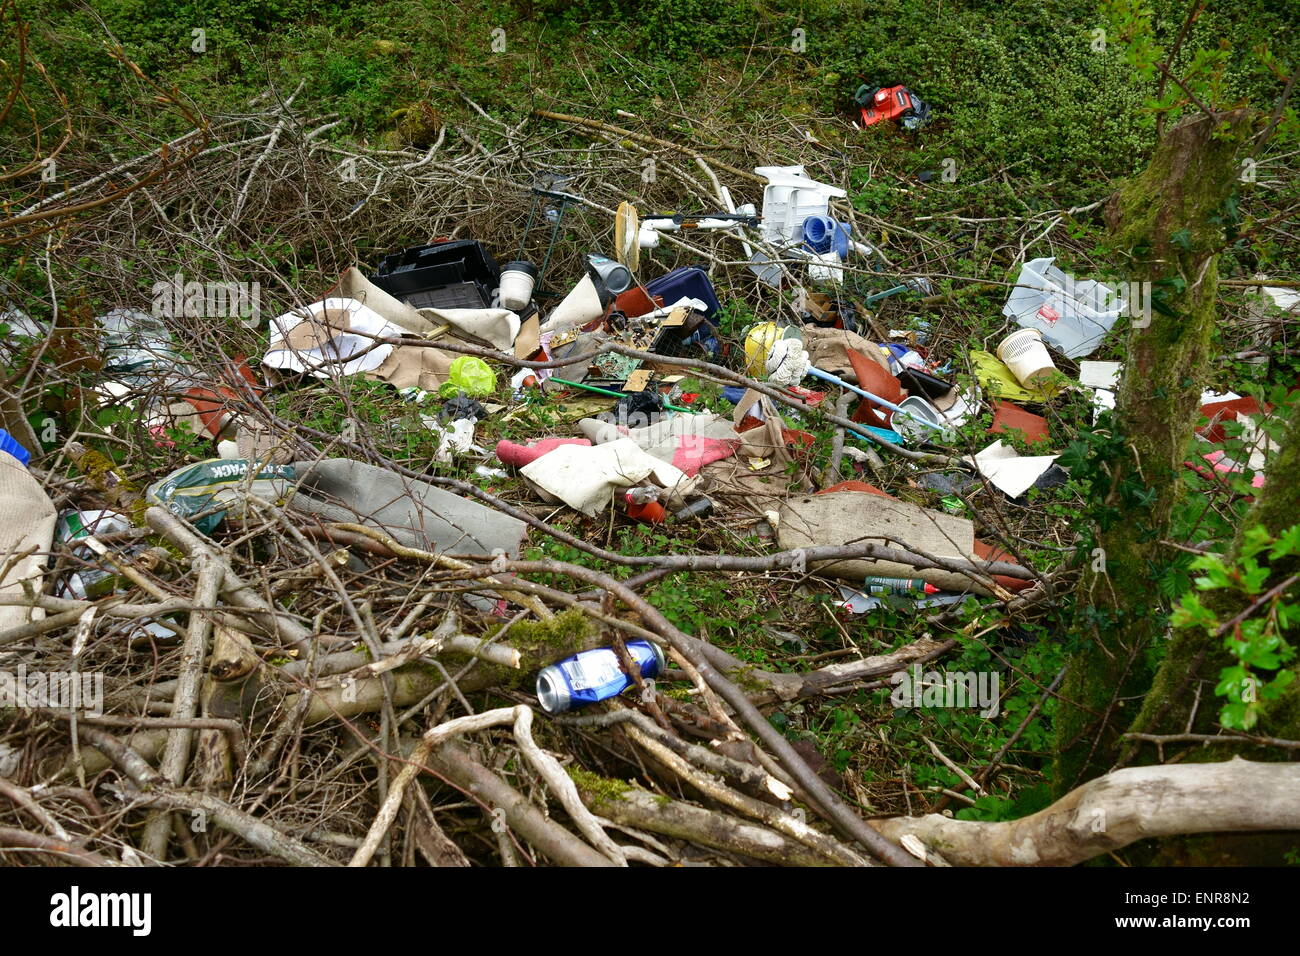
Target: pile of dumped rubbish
x,y
306,578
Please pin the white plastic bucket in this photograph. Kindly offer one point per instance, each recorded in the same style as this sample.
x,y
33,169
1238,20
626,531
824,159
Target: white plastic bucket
x,y
1026,355
517,280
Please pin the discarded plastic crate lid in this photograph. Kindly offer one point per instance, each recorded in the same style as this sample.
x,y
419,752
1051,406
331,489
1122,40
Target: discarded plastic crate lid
x,y
10,444
1072,315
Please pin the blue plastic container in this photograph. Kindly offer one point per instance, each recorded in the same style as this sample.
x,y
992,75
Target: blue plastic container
x,y
688,281
821,234
10,444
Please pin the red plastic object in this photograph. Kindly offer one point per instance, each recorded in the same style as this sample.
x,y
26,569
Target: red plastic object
x,y
861,486
991,552
807,394
651,512
1219,412
210,404
873,378
634,302
1008,417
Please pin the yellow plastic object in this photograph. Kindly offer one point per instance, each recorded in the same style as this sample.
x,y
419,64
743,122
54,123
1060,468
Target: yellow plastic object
x,y
998,380
627,226
758,343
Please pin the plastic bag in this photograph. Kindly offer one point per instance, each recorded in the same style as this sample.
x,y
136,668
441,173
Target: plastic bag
x,y
470,375
206,485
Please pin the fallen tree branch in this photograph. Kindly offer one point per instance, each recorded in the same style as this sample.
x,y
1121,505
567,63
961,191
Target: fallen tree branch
x,y
1110,812
633,807
185,705
836,810
64,850
832,851
455,765
156,792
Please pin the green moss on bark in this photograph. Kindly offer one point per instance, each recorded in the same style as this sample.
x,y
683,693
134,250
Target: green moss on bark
x,y
1163,220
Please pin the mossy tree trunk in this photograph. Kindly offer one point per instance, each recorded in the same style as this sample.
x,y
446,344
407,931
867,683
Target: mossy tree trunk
x,y
1162,220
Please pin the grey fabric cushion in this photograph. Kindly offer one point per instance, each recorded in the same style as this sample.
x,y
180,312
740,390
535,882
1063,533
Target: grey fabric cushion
x,y
413,512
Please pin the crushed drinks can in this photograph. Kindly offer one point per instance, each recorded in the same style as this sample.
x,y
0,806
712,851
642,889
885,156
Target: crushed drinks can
x,y
899,586
590,676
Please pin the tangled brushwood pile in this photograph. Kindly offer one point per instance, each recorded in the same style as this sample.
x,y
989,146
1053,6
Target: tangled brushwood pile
x,y
299,608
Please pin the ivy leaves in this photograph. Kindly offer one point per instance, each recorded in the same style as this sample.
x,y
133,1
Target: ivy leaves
x,y
1254,637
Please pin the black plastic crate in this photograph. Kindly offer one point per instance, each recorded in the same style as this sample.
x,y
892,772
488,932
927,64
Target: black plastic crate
x,y
462,295
438,267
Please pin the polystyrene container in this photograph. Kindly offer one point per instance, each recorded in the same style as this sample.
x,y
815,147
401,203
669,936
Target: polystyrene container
x,y
1072,315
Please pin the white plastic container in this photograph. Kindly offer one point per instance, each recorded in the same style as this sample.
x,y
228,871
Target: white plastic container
x,y
1026,355
826,268
789,198
517,280
916,407
1072,315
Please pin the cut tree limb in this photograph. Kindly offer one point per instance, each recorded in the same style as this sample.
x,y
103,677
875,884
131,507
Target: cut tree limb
x,y
176,756
454,764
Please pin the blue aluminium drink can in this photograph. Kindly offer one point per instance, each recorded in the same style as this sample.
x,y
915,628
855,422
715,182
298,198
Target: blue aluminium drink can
x,y
594,675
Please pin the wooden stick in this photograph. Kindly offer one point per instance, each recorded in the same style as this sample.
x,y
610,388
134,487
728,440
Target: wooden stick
x,y
185,705
556,843
832,851
233,589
